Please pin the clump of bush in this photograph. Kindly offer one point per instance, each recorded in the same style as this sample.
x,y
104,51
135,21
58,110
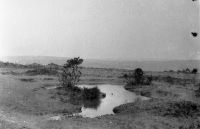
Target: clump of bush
x,y
188,71
137,78
91,93
195,71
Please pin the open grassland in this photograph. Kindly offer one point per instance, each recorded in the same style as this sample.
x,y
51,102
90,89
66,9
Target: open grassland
x,y
31,101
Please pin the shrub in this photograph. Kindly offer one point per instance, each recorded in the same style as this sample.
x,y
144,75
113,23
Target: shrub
x,y
91,93
194,71
137,78
71,73
138,75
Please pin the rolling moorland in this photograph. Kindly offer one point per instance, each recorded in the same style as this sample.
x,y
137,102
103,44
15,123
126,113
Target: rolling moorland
x,y
151,65
30,99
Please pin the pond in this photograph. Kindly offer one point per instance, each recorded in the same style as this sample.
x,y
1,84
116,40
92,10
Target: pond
x,y
115,96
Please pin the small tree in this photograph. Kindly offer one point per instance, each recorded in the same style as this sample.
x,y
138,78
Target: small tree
x,y
71,72
138,75
194,71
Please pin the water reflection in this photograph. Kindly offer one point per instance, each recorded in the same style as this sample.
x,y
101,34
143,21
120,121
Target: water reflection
x,y
115,96
86,103
85,100
91,103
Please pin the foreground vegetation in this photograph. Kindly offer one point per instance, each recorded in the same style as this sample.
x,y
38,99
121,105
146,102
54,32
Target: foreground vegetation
x,y
174,100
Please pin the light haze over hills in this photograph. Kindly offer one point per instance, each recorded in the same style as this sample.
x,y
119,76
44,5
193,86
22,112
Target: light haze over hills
x,y
104,32
146,65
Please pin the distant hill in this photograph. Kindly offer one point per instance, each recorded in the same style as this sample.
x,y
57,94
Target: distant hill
x,y
146,65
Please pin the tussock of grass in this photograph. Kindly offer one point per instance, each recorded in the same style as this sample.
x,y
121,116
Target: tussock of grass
x,y
27,79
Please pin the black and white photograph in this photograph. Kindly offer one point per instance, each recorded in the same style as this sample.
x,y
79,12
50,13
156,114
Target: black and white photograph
x,y
99,64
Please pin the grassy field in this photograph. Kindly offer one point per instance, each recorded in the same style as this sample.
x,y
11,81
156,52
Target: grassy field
x,y
30,101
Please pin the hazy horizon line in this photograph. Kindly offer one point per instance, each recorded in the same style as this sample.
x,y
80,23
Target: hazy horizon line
x,y
104,59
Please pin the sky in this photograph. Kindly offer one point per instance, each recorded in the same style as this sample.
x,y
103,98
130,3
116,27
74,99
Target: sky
x,y
100,29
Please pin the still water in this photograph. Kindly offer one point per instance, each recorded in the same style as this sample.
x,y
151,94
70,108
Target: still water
x,y
115,96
